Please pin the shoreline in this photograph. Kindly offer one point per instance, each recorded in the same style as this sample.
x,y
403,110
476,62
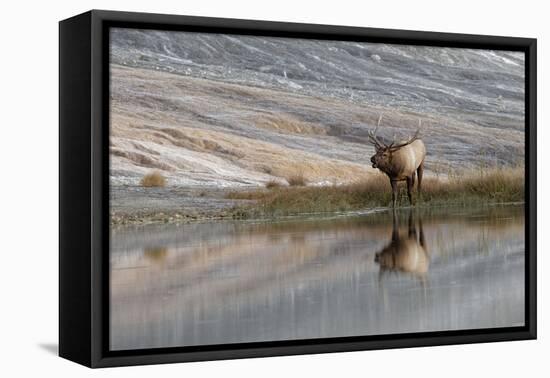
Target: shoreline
x,y
179,218
143,205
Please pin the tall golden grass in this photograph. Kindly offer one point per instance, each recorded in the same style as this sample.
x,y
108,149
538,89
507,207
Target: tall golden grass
x,y
472,187
153,179
271,184
296,180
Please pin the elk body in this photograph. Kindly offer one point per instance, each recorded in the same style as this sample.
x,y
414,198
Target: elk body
x,y
400,161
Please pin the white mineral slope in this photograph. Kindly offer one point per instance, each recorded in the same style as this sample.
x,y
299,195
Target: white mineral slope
x,y
204,132
208,138
234,111
481,86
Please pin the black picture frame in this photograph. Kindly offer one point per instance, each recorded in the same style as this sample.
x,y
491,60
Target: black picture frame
x,y
84,195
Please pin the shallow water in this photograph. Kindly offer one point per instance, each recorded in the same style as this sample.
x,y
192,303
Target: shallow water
x,y
231,282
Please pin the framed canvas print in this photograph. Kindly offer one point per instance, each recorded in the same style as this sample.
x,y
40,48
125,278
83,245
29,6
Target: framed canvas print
x,y
233,188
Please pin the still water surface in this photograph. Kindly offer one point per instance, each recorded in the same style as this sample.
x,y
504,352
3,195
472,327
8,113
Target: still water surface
x,y
231,282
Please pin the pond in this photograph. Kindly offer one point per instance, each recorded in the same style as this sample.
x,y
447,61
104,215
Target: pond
x,y
361,274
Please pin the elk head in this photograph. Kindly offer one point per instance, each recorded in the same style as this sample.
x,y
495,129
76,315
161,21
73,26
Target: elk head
x,y
382,159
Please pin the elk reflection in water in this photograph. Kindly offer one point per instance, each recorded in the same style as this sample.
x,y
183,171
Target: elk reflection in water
x,y
227,282
406,252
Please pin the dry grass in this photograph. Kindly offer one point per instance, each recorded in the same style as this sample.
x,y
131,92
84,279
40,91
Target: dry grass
x,y
297,180
484,184
285,123
495,185
271,184
153,179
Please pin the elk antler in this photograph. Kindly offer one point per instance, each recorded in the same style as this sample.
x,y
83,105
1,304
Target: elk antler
x,y
394,146
372,135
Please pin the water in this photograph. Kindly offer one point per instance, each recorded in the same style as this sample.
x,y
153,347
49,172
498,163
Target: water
x,y
231,282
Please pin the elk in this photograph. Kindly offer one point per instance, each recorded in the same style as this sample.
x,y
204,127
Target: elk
x,y
400,161
408,254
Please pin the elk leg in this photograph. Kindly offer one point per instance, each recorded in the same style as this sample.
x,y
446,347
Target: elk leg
x,y
409,189
393,192
420,173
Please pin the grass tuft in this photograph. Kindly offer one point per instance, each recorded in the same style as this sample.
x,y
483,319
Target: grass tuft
x,y
154,179
297,180
272,184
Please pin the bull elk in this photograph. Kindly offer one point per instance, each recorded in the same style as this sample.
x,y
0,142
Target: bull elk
x,y
401,161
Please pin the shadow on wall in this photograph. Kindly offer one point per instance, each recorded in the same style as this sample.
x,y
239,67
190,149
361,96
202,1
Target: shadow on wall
x,y
51,348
